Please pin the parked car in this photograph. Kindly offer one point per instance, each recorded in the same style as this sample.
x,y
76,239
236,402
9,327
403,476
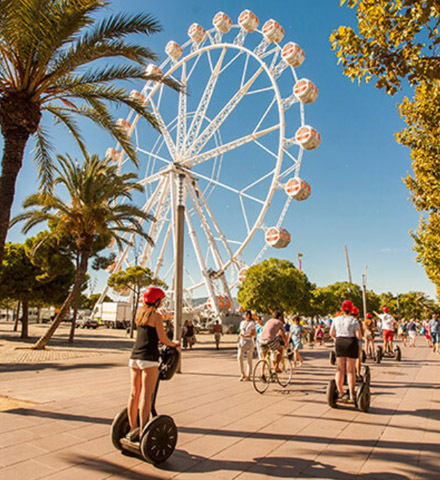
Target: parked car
x,y
89,323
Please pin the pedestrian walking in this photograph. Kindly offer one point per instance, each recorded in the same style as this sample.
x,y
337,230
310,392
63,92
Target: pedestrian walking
x,y
218,333
412,332
246,345
258,329
434,326
296,331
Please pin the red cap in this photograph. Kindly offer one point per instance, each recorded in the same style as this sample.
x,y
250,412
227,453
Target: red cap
x,y
347,306
385,310
369,315
153,294
354,310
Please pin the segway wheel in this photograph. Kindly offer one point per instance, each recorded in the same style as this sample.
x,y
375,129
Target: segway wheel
x,y
332,394
120,428
366,374
332,357
158,439
378,355
364,357
397,354
363,397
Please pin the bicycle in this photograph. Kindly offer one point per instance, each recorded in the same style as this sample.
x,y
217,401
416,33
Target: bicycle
x,y
264,373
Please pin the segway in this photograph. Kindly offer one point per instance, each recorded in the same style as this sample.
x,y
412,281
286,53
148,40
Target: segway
x,y
396,354
362,391
158,439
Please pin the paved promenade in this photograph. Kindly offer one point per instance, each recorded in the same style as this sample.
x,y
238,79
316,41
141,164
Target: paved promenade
x,y
57,410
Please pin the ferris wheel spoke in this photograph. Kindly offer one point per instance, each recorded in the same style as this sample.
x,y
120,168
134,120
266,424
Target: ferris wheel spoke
x,y
268,174
223,239
193,67
163,248
181,121
244,214
152,178
207,280
164,130
205,100
243,75
260,90
266,112
266,149
228,147
236,56
217,122
227,187
151,154
160,214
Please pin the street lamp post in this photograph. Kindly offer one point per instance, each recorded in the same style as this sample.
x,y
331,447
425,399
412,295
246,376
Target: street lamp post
x,y
299,256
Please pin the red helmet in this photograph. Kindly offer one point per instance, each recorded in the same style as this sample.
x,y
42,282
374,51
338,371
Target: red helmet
x,y
152,294
354,310
347,306
368,315
385,310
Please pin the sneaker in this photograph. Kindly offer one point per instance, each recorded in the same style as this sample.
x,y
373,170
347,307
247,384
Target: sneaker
x,y
133,435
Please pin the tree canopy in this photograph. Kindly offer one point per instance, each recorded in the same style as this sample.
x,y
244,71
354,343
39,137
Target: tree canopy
x,y
398,40
275,285
63,60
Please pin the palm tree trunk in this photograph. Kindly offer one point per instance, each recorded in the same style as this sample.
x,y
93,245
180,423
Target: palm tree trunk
x,y
25,320
14,143
80,276
73,325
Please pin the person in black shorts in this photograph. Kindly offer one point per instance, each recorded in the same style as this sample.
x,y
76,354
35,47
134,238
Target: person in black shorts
x,y
144,360
346,331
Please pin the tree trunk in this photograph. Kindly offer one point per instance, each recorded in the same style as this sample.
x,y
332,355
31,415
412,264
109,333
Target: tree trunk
x,y
19,119
73,325
71,298
133,316
38,314
25,320
16,317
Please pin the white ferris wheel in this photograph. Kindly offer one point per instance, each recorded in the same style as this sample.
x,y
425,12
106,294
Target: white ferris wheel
x,y
234,139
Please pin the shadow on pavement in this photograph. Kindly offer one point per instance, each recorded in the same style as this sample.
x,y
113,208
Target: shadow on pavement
x,y
99,464
274,467
31,412
19,367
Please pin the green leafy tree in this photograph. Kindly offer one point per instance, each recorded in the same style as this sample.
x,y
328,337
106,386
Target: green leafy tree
x,y
89,302
25,279
275,285
89,210
398,40
52,66
133,279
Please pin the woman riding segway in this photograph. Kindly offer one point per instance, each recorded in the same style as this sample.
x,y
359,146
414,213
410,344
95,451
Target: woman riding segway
x,y
144,360
346,330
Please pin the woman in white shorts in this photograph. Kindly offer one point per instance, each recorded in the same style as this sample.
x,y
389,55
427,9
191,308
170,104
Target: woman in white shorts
x,y
144,360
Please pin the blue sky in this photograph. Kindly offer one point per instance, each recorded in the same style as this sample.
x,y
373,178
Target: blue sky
x,y
358,197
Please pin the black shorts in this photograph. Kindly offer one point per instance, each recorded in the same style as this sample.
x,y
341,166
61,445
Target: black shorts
x,y
347,347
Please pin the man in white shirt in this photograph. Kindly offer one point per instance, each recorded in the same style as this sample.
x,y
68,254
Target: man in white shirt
x,y
388,325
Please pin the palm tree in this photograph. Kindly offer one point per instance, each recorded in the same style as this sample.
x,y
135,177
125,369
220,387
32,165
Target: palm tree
x,y
93,211
49,65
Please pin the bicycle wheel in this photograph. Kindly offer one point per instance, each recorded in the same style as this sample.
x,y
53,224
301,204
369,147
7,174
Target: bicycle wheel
x,y
285,375
261,376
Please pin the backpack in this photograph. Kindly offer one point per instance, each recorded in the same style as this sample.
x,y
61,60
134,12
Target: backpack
x,y
169,362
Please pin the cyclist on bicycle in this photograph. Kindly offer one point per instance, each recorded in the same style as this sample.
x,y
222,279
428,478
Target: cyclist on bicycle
x,y
273,337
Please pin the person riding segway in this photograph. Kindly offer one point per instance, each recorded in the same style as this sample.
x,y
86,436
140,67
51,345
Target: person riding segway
x,y
155,439
346,331
388,327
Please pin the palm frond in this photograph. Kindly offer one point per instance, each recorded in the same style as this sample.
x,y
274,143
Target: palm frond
x,y
43,156
66,119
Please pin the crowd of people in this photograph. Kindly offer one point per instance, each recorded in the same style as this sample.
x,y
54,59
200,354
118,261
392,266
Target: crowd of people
x,y
350,332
